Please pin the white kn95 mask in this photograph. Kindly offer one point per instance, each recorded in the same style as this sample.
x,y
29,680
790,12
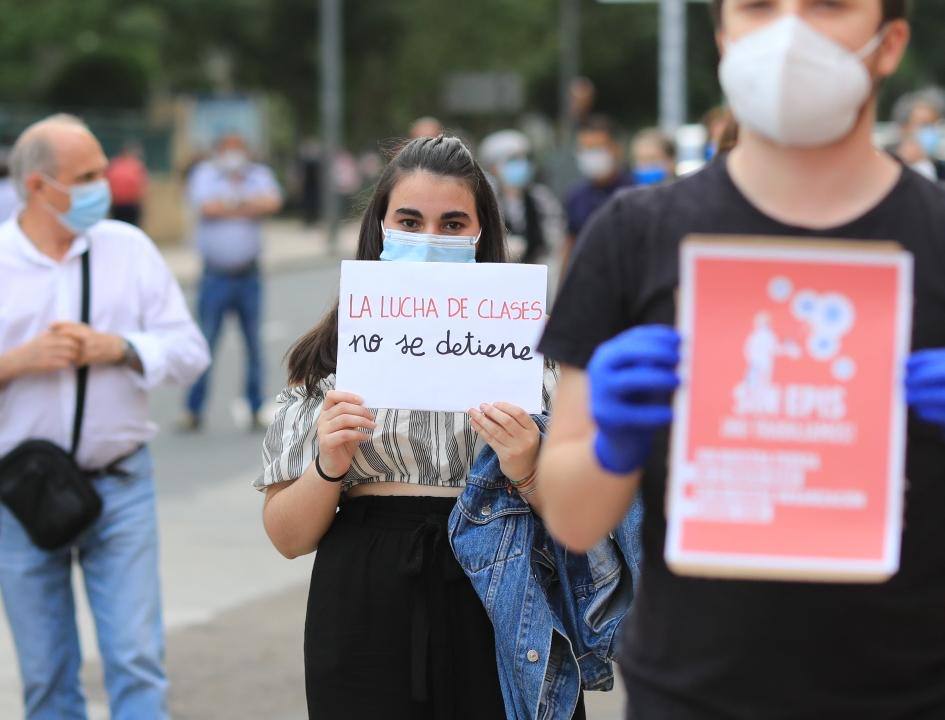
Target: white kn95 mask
x,y
794,85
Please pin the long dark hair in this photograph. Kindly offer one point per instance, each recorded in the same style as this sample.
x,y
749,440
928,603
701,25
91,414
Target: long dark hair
x,y
315,355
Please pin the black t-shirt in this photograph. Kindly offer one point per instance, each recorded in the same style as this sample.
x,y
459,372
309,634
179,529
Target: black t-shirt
x,y
698,648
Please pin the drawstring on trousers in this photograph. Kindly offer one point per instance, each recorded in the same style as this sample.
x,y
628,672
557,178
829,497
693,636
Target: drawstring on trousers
x,y
426,545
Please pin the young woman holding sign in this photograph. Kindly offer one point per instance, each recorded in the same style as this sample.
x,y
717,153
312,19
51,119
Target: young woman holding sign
x,y
394,628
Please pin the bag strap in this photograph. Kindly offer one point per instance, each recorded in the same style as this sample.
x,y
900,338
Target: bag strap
x,y
82,377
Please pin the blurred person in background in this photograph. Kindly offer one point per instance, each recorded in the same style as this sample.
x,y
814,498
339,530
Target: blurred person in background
x,y
310,172
600,159
9,199
560,166
581,97
140,336
370,167
653,154
231,195
721,131
347,178
919,116
426,126
530,211
914,152
128,180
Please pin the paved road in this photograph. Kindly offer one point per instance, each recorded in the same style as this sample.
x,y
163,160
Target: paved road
x,y
234,607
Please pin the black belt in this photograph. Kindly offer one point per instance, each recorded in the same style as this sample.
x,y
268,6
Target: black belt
x,y
240,271
113,468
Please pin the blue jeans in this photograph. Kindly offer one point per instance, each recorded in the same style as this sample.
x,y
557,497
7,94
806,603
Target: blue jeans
x,y
220,294
119,560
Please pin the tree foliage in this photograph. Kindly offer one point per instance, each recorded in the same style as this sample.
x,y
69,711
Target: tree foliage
x,y
398,55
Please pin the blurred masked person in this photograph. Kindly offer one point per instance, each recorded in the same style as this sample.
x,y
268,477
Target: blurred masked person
x,y
530,210
914,153
721,131
140,336
231,196
654,157
128,180
600,159
919,116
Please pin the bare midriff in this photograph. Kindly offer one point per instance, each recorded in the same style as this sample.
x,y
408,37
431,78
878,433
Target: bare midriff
x,y
402,489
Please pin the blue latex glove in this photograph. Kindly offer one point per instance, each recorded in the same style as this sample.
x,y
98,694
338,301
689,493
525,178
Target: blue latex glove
x,y
925,385
632,378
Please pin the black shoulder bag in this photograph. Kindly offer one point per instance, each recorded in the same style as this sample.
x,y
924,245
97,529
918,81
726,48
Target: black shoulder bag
x,y
41,483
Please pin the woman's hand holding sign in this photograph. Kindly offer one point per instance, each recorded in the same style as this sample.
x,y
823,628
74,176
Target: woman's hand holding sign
x,y
513,435
341,427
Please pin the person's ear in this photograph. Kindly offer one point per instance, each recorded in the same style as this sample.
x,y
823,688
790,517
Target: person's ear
x,y
892,48
33,183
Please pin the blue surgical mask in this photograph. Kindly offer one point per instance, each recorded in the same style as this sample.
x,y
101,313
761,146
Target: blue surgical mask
x,y
516,172
421,247
649,174
88,204
928,137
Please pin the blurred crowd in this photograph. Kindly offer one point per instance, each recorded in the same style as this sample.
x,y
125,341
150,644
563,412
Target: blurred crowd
x,y
548,184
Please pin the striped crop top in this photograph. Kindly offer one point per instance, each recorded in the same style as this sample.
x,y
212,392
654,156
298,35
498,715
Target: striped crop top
x,y
408,446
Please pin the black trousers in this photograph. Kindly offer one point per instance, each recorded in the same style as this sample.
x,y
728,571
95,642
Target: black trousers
x,y
394,629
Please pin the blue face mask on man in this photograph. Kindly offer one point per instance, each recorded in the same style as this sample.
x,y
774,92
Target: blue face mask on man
x,y
88,204
403,246
928,137
649,174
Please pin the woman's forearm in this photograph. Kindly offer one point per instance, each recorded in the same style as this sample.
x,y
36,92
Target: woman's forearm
x,y
297,515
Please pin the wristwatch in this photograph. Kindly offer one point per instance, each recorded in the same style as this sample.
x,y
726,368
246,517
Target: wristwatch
x,y
130,357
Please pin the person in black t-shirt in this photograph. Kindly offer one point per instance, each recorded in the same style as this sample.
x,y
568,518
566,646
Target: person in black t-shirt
x,y
805,166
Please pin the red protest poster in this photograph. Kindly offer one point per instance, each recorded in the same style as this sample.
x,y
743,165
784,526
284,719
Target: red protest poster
x,y
788,445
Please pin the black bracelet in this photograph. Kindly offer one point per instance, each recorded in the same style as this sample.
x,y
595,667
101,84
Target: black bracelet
x,y
321,473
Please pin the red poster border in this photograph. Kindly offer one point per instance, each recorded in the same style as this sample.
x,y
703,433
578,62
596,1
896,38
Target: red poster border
x,y
784,567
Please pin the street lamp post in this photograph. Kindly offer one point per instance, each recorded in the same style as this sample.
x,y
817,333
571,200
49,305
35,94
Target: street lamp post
x,y
673,80
569,35
331,110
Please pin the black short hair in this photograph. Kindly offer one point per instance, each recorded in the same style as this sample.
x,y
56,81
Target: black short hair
x,y
892,10
600,123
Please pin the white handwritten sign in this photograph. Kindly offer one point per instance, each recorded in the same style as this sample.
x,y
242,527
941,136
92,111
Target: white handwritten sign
x,y
441,336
